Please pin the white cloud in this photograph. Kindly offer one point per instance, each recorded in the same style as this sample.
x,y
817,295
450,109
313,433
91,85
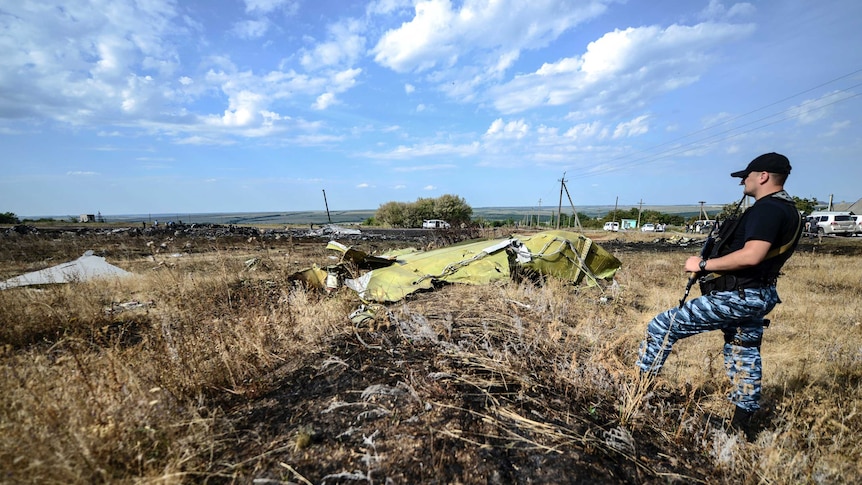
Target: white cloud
x,y
623,68
363,185
426,150
268,6
838,127
409,88
119,66
383,7
812,110
324,101
511,130
345,45
81,173
204,140
344,80
425,168
429,187
586,131
637,126
74,70
716,10
251,29
438,35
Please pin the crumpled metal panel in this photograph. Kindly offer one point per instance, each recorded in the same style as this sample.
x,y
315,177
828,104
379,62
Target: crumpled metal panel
x,y
562,254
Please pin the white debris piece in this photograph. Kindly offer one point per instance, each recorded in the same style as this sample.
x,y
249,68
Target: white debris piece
x,y
85,268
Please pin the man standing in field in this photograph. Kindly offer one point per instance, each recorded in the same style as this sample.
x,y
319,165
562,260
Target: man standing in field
x,y
737,282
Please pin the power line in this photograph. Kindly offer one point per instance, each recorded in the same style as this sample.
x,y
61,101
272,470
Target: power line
x,y
700,142
720,136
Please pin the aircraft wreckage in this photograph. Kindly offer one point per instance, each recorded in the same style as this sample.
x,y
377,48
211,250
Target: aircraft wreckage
x,y
394,275
85,268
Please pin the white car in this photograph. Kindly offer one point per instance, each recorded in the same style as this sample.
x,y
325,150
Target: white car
x,y
839,223
648,227
435,224
612,226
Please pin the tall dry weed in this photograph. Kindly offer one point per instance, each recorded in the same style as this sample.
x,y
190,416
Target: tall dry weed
x,y
95,392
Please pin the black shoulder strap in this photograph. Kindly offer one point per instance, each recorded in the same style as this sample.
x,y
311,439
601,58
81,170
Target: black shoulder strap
x,y
789,244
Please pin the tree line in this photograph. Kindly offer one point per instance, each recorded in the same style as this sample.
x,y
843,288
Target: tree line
x,y
450,208
455,210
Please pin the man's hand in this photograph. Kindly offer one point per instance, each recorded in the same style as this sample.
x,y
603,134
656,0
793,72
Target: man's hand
x,y
692,264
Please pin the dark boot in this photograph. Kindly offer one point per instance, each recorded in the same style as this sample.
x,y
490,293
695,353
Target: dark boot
x,y
742,420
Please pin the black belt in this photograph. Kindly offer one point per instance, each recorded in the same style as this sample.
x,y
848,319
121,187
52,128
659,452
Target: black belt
x,y
729,282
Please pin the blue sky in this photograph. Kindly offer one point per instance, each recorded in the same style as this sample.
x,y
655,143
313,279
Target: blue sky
x,y
160,106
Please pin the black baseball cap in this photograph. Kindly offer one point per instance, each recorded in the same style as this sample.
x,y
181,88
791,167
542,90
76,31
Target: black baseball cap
x,y
768,162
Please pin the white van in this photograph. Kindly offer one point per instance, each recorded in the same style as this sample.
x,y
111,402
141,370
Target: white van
x,y
612,226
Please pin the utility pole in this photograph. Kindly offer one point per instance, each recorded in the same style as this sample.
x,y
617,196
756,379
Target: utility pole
x,y
327,207
640,209
539,214
574,211
560,204
616,203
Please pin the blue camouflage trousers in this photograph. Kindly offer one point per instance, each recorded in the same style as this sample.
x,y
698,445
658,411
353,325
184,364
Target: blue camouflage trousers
x,y
738,314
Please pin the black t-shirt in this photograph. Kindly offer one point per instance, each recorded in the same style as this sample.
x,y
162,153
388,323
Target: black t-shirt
x,y
772,219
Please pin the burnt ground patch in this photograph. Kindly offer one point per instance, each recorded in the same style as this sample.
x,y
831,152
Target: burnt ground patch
x,y
398,411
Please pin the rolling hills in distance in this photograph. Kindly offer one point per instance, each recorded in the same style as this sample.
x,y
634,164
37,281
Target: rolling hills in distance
x,y
360,215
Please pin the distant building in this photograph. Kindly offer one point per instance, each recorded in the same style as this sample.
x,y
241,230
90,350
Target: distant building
x,y
855,207
87,218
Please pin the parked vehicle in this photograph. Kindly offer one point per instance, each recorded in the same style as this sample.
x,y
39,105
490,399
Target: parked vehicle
x,y
648,227
858,229
435,224
612,226
828,223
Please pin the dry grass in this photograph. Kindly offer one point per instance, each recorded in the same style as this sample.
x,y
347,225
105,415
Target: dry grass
x,y
96,393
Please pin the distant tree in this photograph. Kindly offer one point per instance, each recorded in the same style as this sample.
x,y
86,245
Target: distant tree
x,y
392,213
805,205
730,210
419,211
9,218
452,209
671,219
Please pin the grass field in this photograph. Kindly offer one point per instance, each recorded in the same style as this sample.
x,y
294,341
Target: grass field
x,y
209,366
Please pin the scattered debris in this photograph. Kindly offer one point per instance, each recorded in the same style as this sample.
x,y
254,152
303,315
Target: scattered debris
x,y
334,230
129,305
395,275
